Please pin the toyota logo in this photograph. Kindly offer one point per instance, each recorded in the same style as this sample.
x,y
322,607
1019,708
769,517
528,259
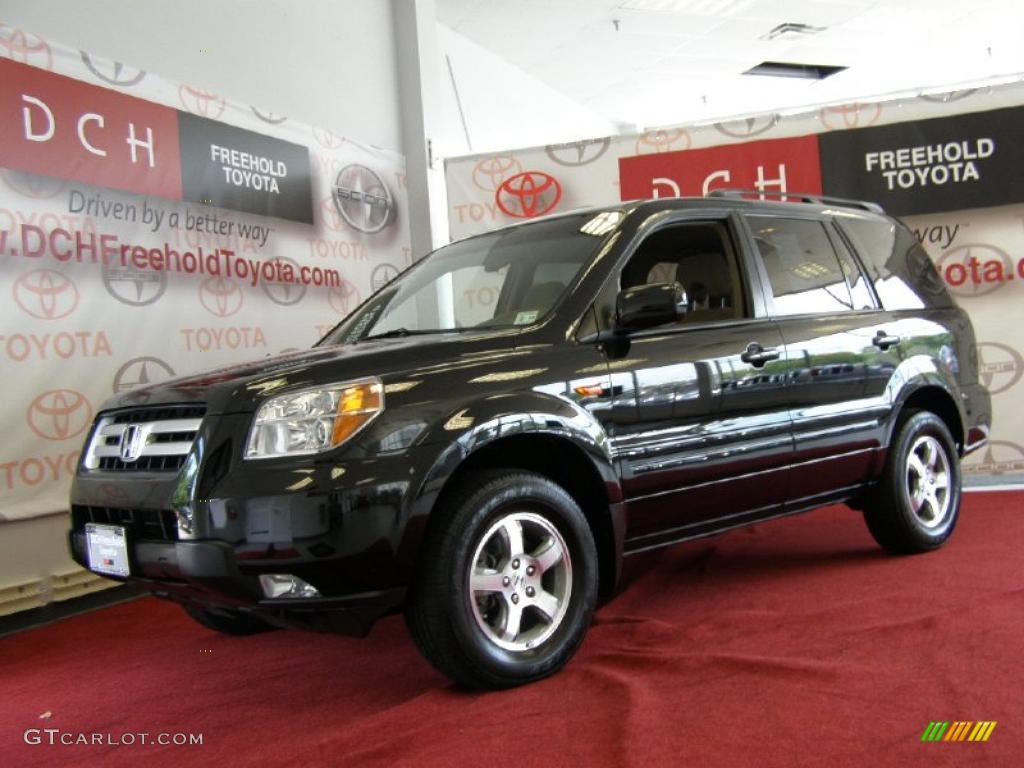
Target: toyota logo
x,y
663,140
968,272
32,185
577,153
59,414
220,296
46,294
382,275
850,116
140,372
131,442
528,195
327,139
490,172
284,294
26,48
133,286
999,366
268,117
343,298
363,199
945,98
200,102
113,72
751,126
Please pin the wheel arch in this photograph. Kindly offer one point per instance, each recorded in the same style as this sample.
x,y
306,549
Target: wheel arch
x,y
938,400
558,457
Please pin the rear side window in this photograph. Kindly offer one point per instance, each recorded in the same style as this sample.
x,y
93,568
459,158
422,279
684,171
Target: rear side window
x,y
903,273
803,268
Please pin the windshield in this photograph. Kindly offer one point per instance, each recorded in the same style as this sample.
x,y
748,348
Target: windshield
x,y
507,278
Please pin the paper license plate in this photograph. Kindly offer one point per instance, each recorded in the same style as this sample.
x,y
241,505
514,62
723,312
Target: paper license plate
x,y
107,548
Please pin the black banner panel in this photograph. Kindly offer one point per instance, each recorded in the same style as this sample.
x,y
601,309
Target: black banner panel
x,y
234,168
929,166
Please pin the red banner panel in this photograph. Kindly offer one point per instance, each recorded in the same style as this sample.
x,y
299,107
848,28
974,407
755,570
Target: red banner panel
x,y
58,126
778,165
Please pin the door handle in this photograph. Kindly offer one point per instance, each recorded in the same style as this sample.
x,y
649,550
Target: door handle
x,y
883,340
757,355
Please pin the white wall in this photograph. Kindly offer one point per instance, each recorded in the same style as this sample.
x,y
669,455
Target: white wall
x,y
328,63
504,106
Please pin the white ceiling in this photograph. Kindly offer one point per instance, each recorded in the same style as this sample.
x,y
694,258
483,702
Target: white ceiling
x,y
673,61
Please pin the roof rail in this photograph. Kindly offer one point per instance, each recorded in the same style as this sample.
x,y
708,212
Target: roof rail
x,y
799,196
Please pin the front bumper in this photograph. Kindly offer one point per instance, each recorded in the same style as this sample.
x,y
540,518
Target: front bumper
x,y
349,526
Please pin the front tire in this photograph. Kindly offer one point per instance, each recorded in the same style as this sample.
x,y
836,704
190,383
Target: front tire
x,y
507,582
916,504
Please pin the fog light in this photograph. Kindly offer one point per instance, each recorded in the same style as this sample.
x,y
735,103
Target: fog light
x,y
286,585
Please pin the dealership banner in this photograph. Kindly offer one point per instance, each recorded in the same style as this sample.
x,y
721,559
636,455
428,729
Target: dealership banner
x,y
950,164
151,229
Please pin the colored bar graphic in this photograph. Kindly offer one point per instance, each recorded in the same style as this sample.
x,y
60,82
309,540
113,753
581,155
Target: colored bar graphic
x,y
961,730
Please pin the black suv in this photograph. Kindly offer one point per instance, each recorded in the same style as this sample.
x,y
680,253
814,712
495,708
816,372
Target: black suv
x,y
484,439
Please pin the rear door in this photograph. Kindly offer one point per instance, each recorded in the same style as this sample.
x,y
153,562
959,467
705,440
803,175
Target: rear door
x,y
699,420
833,331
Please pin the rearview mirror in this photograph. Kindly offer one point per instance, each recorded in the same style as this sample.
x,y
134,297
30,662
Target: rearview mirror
x,y
645,306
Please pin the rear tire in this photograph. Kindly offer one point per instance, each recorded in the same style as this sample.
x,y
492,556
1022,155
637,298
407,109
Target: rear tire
x,y
227,621
507,581
916,504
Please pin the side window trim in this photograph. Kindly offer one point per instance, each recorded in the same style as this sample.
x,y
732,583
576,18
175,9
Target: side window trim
x,y
838,242
858,259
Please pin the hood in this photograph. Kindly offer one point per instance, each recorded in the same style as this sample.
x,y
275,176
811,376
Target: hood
x,y
238,388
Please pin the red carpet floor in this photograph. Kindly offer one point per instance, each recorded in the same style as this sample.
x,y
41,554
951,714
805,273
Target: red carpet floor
x,y
795,643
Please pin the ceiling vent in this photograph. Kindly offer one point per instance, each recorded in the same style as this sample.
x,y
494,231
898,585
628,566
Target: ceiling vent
x,y
789,69
791,30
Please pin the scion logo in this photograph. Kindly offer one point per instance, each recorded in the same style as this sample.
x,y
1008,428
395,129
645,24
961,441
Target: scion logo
x,y
46,294
490,172
59,414
850,116
751,126
32,184
140,372
28,49
663,140
999,457
268,117
129,285
975,269
999,366
113,72
284,294
382,275
577,153
530,194
363,199
220,296
200,102
343,298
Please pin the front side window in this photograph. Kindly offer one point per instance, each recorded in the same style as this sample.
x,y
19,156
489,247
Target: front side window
x,y
803,269
512,277
698,256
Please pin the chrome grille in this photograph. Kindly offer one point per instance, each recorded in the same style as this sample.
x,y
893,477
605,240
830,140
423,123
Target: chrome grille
x,y
143,439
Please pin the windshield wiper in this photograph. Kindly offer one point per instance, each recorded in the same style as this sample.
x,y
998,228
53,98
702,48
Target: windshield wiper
x,y
399,332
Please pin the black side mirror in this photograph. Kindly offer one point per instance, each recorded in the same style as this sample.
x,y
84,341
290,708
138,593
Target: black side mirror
x,y
645,306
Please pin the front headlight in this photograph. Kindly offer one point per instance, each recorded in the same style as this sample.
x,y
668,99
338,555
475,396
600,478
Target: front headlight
x,y
314,420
